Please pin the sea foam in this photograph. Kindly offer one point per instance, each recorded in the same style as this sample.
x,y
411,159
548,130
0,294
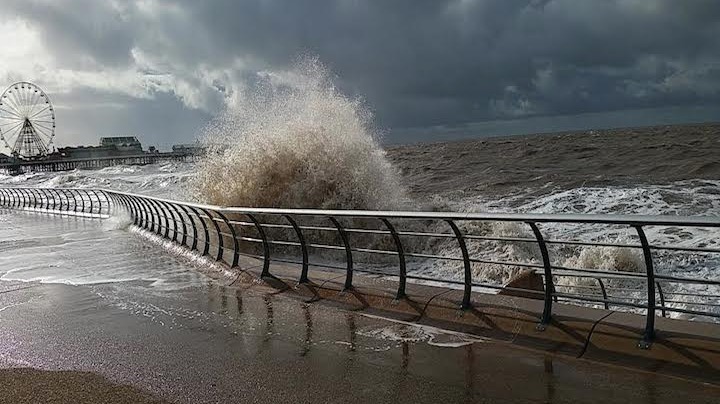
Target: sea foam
x,y
295,141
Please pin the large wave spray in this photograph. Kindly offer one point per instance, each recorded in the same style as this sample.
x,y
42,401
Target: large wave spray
x,y
296,141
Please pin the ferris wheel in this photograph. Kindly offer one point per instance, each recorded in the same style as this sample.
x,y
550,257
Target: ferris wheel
x,y
27,120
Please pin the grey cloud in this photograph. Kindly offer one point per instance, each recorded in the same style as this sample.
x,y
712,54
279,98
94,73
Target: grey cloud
x,y
417,62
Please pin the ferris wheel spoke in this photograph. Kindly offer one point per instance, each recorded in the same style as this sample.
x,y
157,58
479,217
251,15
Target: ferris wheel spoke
x,y
22,103
47,107
9,125
46,123
47,128
16,102
11,108
6,121
26,98
33,101
14,127
47,132
13,118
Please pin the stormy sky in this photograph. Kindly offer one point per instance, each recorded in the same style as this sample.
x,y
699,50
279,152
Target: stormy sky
x,y
429,69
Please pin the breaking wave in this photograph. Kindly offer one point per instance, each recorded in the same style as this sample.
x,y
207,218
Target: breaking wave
x,y
295,141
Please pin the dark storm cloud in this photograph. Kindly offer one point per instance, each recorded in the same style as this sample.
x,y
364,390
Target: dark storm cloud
x,y
418,62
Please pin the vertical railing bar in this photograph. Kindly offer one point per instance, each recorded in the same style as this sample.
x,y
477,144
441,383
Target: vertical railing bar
x,y
34,196
20,199
90,202
348,253
45,195
266,246
164,232
182,221
59,200
549,283
175,225
401,257
194,227
147,220
159,225
133,210
604,293
649,333
25,198
74,194
221,242
236,245
662,299
206,249
303,249
467,292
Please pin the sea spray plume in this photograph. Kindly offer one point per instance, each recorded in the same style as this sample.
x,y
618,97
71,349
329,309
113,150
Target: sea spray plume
x,y
296,142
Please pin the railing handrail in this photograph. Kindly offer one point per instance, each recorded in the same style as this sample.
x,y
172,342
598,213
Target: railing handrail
x,y
626,220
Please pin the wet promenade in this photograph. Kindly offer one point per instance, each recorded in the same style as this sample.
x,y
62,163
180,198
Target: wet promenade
x,y
78,295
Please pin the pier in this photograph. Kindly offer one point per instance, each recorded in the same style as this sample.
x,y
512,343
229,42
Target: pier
x,y
41,165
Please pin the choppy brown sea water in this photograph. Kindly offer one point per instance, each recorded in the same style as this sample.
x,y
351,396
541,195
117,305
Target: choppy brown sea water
x,y
538,165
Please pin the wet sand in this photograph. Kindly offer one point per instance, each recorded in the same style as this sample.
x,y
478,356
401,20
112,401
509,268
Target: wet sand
x,y
26,385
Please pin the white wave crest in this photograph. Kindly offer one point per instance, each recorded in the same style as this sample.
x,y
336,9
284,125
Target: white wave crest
x,y
296,141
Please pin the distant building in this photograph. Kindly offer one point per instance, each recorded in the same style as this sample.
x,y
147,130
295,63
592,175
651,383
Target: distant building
x,y
189,148
122,143
109,147
5,159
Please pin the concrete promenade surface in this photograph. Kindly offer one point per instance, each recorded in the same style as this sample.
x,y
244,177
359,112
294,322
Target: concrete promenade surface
x,y
215,339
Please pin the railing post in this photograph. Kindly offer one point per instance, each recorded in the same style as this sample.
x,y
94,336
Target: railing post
x,y
132,209
303,249
47,195
604,293
14,197
153,206
147,220
194,228
35,197
80,193
549,284
236,246
59,200
184,226
170,216
348,253
662,299
206,249
21,198
163,229
25,198
74,194
649,333
90,201
221,240
467,293
266,246
401,257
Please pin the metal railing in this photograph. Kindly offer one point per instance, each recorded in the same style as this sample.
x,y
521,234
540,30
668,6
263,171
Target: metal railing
x,y
404,245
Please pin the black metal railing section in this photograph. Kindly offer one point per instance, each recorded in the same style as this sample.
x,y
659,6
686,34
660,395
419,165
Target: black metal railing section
x,y
474,251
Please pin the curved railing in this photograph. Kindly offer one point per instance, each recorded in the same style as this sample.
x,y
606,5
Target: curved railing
x,y
399,244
